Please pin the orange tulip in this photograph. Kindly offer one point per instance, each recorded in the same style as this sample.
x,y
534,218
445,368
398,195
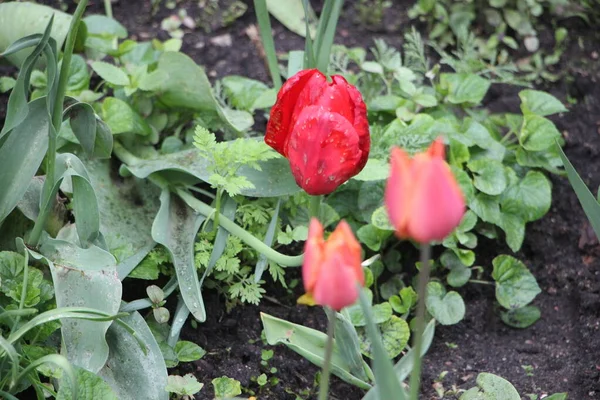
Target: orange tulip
x,y
422,197
331,267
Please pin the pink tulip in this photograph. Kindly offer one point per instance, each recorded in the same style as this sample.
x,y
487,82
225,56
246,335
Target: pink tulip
x,y
422,197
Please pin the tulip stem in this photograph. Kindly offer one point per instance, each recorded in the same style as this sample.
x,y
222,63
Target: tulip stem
x,y
326,372
315,207
415,377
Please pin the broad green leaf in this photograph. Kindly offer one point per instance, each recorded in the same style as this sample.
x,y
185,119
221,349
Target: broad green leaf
x,y
587,200
122,370
186,385
275,178
291,15
179,82
538,133
404,301
514,229
486,207
12,268
309,343
18,20
121,118
188,351
540,103
175,227
548,159
557,396
21,155
126,205
79,76
110,73
374,170
83,125
464,87
226,387
530,198
381,313
381,220
83,278
6,84
446,308
370,197
395,333
491,387
89,386
516,287
490,177
372,237
405,366
459,276
348,343
522,317
243,92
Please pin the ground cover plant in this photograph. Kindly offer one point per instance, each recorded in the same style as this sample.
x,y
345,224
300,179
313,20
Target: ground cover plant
x,y
180,199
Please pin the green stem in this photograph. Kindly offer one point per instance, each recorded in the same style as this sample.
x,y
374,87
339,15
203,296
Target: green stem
x,y
235,229
217,209
482,282
108,8
415,377
57,114
315,207
264,24
326,372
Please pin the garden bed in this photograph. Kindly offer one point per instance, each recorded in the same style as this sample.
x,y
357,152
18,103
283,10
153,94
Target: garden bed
x,y
557,354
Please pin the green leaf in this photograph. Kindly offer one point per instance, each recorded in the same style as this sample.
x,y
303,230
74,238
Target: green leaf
x,y
79,76
89,386
121,118
538,133
381,220
12,267
126,205
446,308
273,180
110,73
372,237
459,276
175,227
226,387
515,285
587,200
310,344
404,301
21,155
530,198
83,125
464,87
557,396
243,92
188,351
490,177
18,20
381,313
88,278
291,15
491,387
348,343
395,333
122,370
374,170
540,103
514,229
186,385
522,317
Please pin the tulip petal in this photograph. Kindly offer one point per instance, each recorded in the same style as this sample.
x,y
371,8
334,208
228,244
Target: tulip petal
x,y
336,286
437,149
323,150
397,190
282,113
313,254
342,241
437,202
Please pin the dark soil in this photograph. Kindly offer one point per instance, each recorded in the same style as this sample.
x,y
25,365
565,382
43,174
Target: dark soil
x,y
563,347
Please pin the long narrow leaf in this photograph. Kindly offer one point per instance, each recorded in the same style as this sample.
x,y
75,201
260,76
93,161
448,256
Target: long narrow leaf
x,y
326,38
309,52
14,358
264,24
586,198
262,259
181,315
60,362
228,211
388,386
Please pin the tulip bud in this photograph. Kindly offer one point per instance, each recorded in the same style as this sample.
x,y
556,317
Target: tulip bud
x,y
331,267
321,128
422,197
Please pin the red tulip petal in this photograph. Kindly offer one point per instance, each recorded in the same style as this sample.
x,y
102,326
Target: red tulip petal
x,y
437,149
438,204
397,190
313,255
336,285
323,150
359,120
282,113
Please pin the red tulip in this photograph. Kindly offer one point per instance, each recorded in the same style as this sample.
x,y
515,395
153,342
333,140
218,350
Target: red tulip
x,y
422,197
321,127
331,267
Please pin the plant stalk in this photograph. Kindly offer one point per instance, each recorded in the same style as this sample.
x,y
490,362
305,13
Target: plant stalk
x,y
326,371
315,207
108,8
415,377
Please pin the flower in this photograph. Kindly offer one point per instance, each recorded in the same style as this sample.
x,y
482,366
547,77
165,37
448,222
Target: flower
x,y
332,267
321,127
422,197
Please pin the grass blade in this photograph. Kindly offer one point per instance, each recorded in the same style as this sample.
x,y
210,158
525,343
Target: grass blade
x,y
326,37
264,24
